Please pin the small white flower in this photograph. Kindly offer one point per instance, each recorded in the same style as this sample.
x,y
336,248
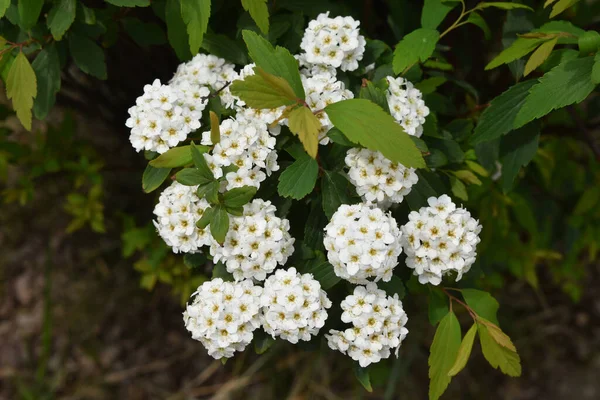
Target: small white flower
x,y
406,105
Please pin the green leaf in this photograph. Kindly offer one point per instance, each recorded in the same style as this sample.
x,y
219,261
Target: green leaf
x,y
210,191
429,85
205,218
194,260
304,124
88,56
60,17
47,70
467,176
464,351
259,12
414,47
195,14
220,271
29,12
219,224
338,137
498,119
176,157
224,47
497,355
567,83
438,305
264,90
215,129
539,56
144,34
276,61
450,148
443,352
596,70
262,342
517,150
589,43
237,197
154,177
200,162
394,286
323,272
519,48
21,88
176,30
434,12
333,188
191,177
371,92
482,303
496,333
503,5
129,3
4,4
298,179
476,19
458,188
362,374
366,123
561,6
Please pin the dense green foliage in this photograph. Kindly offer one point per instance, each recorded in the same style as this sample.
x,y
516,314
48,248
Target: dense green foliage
x,y
512,134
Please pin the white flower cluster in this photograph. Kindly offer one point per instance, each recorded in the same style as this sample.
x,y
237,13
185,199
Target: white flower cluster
x,y
205,70
245,144
377,179
440,239
165,114
223,315
333,41
321,90
256,242
378,325
406,105
293,305
177,211
362,242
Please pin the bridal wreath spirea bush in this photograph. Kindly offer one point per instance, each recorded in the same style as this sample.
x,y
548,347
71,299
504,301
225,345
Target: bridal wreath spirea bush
x,y
439,240
378,325
313,161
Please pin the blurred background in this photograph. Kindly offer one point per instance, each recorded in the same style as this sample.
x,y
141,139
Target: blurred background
x,y
91,298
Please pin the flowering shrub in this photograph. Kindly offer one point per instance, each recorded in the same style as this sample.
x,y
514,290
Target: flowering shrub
x,y
319,174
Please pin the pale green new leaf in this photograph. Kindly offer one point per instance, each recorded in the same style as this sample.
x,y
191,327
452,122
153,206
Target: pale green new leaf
x,y
443,352
195,14
264,90
47,70
567,83
21,88
498,119
519,48
507,360
482,303
298,179
259,12
60,17
304,124
539,56
464,351
364,122
503,5
414,47
276,61
561,6
496,333
434,12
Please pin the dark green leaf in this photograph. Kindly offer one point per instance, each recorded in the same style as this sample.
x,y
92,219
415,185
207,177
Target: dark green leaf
x,y
482,303
362,374
323,272
194,260
429,85
596,70
438,305
47,70
220,271
4,4
224,47
458,188
414,47
210,191
60,17
219,224
364,122
191,177
338,137
371,92
443,352
29,12
88,56
205,218
154,177
237,197
144,33
394,286
200,163
176,157
237,211
130,3
299,179
176,30
333,187
450,148
516,150
262,341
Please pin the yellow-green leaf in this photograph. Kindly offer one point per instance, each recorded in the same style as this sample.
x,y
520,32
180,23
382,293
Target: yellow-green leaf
x,y
519,48
496,333
503,5
444,350
21,88
264,90
215,132
539,55
195,14
561,6
464,351
305,125
259,12
498,356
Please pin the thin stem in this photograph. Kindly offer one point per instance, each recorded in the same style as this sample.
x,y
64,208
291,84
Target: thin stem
x,y
454,298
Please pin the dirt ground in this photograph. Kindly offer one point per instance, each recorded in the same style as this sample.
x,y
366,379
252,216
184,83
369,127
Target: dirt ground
x,y
74,324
